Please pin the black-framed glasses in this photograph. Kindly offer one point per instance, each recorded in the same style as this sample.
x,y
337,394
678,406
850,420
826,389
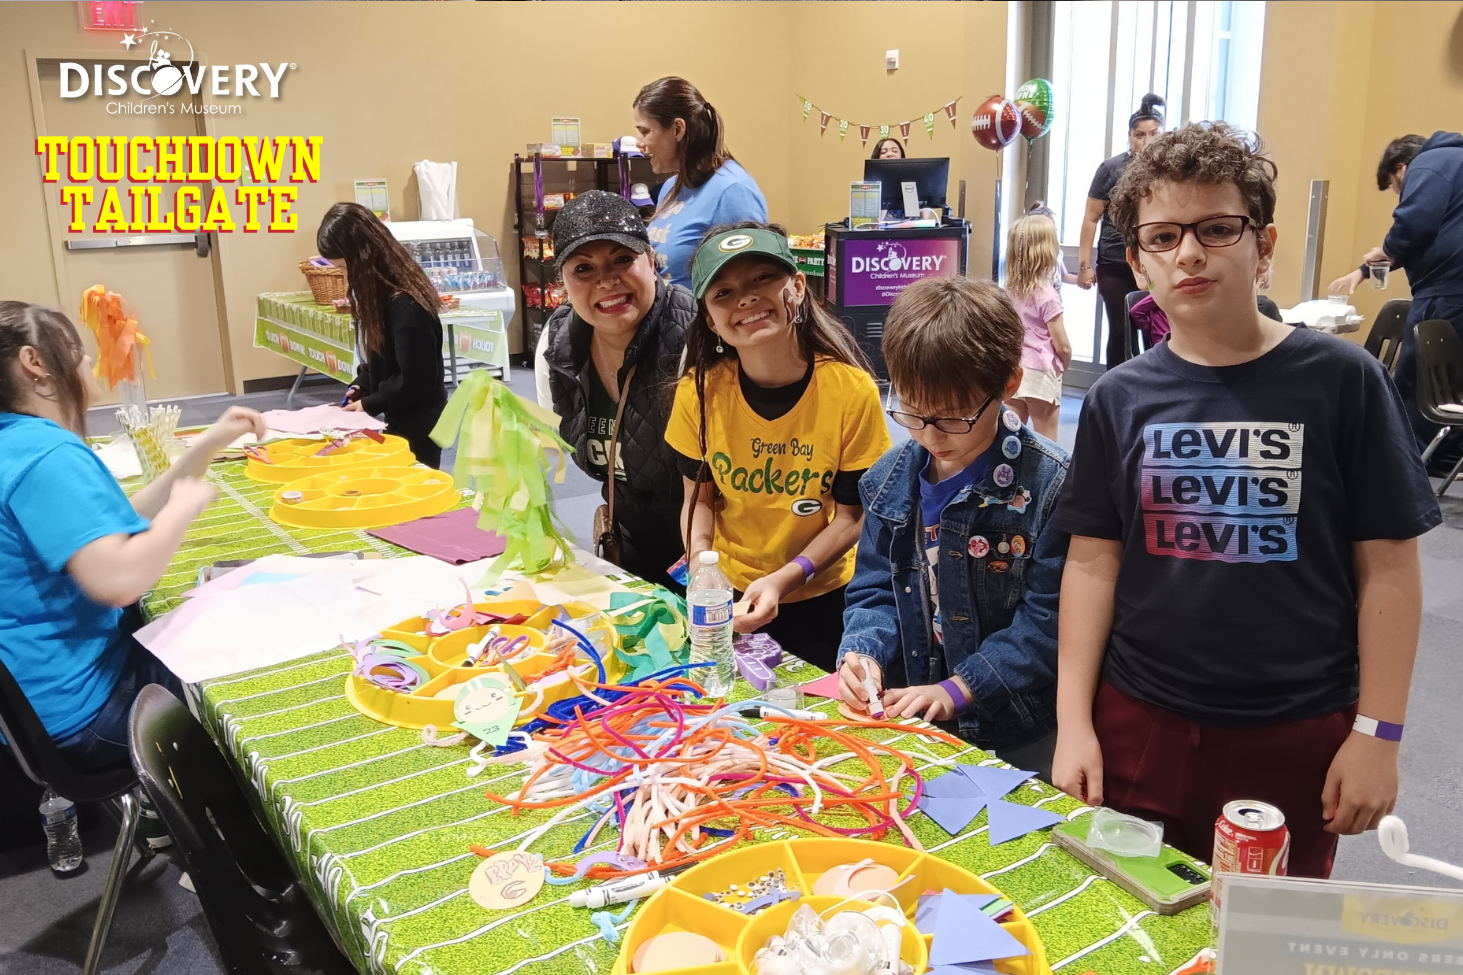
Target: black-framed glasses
x,y
945,424
1225,231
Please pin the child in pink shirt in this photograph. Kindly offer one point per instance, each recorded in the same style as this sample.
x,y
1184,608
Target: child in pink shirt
x,y
1033,261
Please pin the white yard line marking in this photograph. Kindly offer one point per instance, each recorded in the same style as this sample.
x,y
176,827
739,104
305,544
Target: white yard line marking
x,y
292,687
253,509
1105,941
256,675
1032,912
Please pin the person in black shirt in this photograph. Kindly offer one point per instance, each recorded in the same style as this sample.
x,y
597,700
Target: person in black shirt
x,y
398,331
1111,273
1244,501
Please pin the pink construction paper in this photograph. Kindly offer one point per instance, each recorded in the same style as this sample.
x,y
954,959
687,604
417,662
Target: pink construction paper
x,y
313,419
823,687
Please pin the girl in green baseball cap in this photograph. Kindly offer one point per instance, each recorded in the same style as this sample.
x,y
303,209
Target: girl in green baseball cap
x,y
777,416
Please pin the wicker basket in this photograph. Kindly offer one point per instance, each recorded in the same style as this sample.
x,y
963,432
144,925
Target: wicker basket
x,y
326,283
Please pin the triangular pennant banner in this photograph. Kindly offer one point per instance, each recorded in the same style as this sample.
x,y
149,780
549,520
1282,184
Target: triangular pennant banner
x,y
994,782
930,124
863,133
823,121
842,128
1008,820
964,935
904,131
952,815
807,107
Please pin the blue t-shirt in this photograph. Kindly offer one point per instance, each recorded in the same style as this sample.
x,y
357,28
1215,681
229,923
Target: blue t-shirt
x,y
730,195
932,501
65,650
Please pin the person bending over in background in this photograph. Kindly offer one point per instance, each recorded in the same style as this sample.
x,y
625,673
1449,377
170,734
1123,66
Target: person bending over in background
x,y
1242,595
619,340
1426,240
683,135
778,417
1111,273
952,611
75,554
398,327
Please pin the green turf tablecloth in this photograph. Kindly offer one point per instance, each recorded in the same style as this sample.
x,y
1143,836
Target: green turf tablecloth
x,y
378,823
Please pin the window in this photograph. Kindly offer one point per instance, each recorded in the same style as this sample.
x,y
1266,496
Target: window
x,y
1202,56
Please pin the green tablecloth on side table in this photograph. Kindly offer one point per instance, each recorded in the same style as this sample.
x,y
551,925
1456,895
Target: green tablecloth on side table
x,y
379,824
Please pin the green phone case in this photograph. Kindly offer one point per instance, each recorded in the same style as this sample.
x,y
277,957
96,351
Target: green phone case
x,y
1152,880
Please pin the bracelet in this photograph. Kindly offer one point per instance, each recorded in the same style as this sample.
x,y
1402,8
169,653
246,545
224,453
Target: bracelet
x,y
957,694
1366,272
1384,730
806,564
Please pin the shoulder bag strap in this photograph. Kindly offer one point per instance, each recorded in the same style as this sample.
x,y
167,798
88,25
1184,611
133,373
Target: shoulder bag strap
x,y
615,436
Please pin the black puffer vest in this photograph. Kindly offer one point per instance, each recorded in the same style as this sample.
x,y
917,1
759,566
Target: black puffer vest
x,y
652,477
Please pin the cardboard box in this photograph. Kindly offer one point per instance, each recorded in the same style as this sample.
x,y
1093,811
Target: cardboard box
x,y
598,150
548,150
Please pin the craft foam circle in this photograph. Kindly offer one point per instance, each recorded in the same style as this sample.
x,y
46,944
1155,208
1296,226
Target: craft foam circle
x,y
676,949
366,498
293,459
506,880
829,882
874,877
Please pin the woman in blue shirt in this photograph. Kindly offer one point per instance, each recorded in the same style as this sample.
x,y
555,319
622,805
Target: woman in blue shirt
x,y
683,135
74,551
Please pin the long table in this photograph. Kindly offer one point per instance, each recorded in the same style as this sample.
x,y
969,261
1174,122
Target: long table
x,y
379,824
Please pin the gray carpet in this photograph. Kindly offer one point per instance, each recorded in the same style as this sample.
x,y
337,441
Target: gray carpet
x,y
160,930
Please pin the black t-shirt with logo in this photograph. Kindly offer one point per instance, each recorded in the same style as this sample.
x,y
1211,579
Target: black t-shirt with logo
x,y
601,426
1237,493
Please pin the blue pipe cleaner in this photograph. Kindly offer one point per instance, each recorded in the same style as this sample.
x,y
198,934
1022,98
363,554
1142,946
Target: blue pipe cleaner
x,y
606,922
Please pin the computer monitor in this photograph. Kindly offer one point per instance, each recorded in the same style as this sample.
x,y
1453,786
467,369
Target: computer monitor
x,y
930,176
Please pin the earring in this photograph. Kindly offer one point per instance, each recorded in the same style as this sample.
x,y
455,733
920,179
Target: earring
x,y
719,349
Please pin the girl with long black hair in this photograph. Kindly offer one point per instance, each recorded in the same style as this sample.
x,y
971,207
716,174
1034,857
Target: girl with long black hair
x,y
777,416
398,328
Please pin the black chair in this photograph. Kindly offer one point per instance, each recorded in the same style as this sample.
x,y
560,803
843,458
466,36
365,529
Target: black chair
x,y
1385,339
258,912
1440,384
1133,336
43,764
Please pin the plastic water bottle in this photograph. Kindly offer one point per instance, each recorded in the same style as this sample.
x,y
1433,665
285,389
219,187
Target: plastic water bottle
x,y
709,598
63,842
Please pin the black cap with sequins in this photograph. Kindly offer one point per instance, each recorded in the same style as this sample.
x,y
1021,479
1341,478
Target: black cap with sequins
x,y
598,215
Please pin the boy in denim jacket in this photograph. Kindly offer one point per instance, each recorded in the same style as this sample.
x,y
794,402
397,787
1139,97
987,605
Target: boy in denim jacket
x,y
952,611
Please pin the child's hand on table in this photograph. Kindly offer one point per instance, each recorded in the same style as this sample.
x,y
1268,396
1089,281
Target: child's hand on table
x,y
851,680
930,701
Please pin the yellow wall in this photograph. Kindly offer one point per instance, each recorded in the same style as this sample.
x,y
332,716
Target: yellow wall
x,y
389,84
1340,81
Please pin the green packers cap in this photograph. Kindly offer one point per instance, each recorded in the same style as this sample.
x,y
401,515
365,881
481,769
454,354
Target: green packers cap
x,y
712,255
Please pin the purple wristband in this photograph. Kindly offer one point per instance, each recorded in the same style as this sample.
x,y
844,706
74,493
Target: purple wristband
x,y
806,564
957,694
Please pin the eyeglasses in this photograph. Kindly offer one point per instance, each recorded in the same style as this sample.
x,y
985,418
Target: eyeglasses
x,y
945,424
1155,238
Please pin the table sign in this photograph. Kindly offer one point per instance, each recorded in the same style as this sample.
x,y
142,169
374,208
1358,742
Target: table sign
x,y
863,203
1293,926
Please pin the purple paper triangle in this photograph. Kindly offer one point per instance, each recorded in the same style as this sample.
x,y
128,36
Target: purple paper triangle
x,y
952,815
928,904
964,935
963,970
952,786
1009,820
994,782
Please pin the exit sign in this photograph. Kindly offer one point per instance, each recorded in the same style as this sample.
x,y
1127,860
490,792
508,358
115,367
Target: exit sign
x,y
110,14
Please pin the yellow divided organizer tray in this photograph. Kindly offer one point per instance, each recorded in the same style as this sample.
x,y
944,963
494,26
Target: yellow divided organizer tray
x,y
290,460
364,498
444,658
683,906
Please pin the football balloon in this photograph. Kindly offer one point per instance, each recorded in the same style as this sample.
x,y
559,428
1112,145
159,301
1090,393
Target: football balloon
x,y
996,122
1034,102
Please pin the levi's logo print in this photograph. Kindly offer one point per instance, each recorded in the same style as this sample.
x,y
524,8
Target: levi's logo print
x,y
1222,492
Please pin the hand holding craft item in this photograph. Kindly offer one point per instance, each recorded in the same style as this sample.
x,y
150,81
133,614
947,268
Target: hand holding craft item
x,y
501,438
113,323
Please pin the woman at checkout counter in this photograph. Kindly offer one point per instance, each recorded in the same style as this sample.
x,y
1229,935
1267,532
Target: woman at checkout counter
x,y
1113,276
888,149
76,554
683,135
611,351
398,328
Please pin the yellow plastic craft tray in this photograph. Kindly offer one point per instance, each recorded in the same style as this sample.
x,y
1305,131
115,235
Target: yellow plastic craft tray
x,y
680,906
367,498
291,460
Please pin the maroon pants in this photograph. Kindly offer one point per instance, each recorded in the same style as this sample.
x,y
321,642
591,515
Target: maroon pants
x,y
1160,766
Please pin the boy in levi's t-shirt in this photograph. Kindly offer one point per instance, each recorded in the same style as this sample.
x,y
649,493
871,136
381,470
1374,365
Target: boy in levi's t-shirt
x,y
777,417
1242,595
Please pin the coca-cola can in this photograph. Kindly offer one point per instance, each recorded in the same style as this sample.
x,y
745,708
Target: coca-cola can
x,y
1250,837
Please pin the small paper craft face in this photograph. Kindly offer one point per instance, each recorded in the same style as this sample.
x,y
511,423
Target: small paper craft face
x,y
485,705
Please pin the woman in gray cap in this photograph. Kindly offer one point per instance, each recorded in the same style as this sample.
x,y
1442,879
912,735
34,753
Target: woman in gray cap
x,y
612,351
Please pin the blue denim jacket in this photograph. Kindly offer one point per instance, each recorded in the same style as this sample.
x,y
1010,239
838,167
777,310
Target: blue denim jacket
x,y
1000,627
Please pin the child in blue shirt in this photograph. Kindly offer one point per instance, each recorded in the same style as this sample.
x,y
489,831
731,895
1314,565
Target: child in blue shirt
x,y
952,611
74,551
